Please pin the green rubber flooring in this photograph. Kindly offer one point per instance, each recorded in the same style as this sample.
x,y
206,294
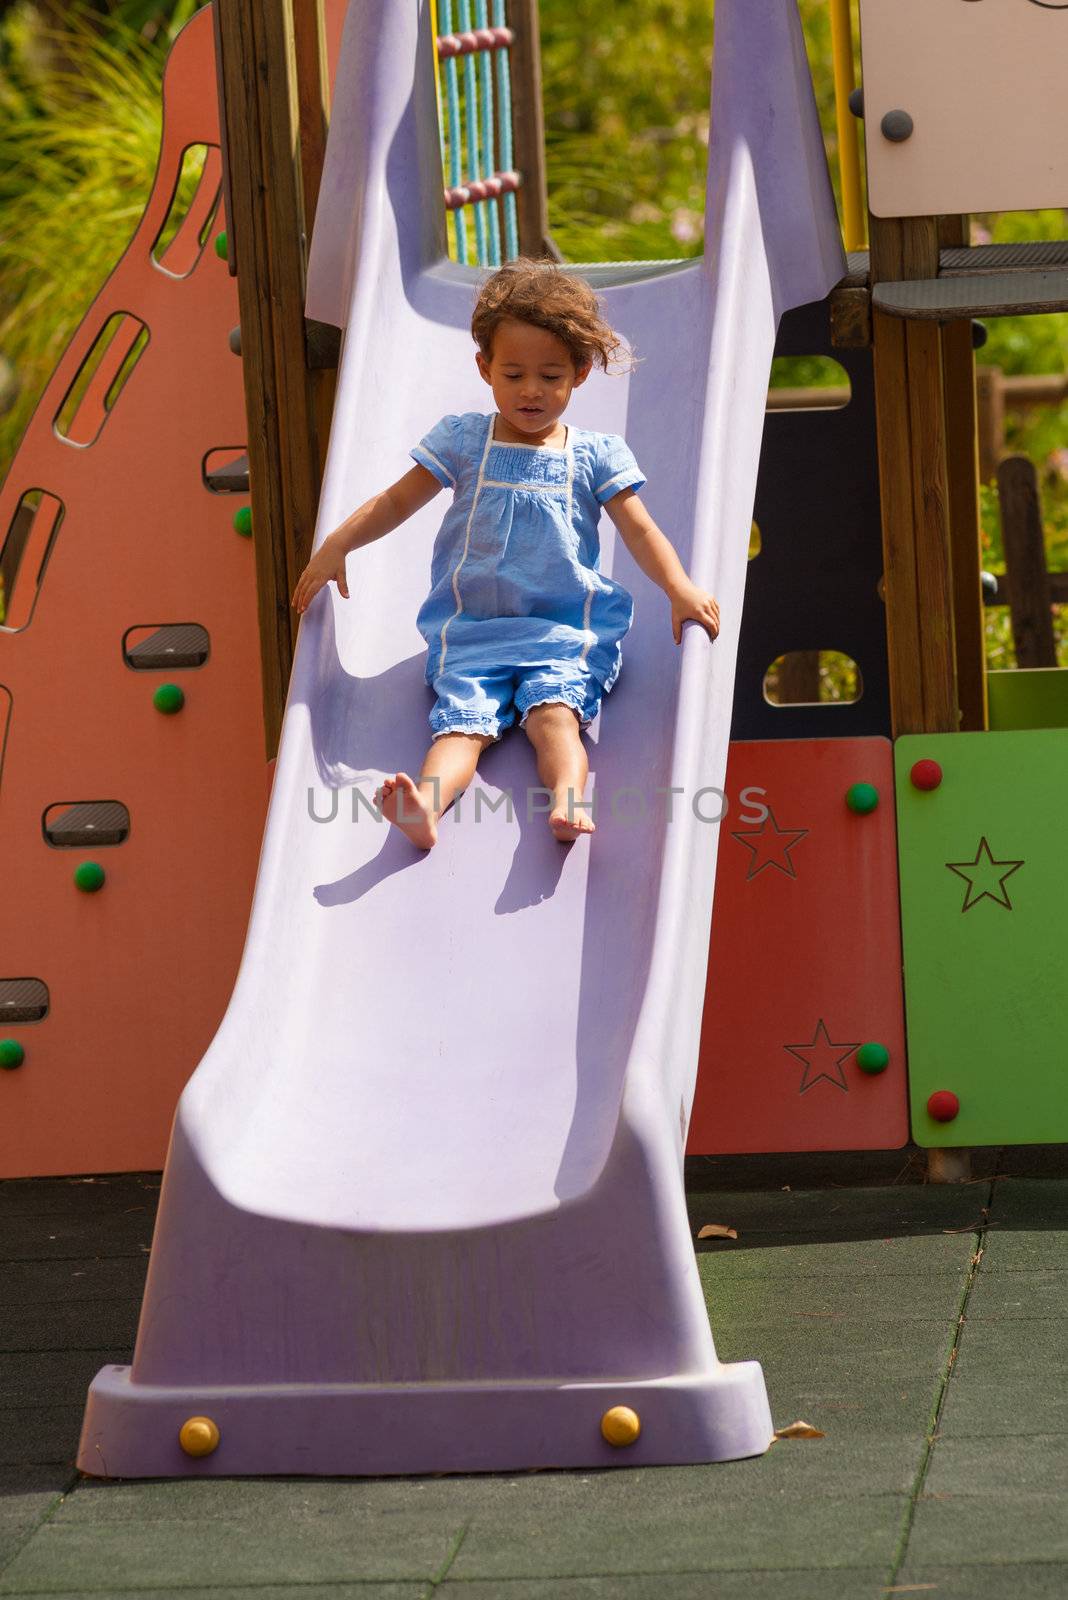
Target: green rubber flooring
x,y
920,1327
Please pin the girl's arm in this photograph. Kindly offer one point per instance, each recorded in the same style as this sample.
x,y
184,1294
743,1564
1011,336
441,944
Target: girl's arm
x,y
658,559
375,518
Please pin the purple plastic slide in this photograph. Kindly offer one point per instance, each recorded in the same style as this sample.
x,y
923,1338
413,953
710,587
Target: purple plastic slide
x,y
423,1207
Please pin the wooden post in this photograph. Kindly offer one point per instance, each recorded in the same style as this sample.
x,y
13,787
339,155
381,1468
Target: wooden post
x,y
258,76
962,467
799,678
528,131
313,101
990,394
910,414
1025,563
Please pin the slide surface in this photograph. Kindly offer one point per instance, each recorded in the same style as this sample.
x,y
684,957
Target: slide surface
x,y
423,1206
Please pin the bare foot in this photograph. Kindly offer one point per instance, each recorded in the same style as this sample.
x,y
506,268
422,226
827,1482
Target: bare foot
x,y
567,828
408,810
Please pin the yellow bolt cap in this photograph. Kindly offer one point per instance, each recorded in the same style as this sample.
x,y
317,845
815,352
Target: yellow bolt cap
x,y
198,1436
620,1425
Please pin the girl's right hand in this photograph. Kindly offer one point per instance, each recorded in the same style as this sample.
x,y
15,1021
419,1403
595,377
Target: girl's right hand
x,y
327,562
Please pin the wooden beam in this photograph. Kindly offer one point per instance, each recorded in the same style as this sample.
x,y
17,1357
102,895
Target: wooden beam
x,y
528,131
265,149
313,102
799,678
910,418
1025,560
962,465
990,396
962,451
930,489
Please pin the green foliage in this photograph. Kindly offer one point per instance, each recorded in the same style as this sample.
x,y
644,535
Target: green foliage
x,y
626,93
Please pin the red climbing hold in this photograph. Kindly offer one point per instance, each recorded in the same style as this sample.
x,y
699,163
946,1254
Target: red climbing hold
x,y
943,1105
926,774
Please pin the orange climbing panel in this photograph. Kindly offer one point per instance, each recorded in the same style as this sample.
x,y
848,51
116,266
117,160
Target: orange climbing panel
x,y
122,572
805,958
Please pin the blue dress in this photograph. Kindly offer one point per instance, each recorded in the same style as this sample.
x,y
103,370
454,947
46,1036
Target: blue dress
x,y
518,611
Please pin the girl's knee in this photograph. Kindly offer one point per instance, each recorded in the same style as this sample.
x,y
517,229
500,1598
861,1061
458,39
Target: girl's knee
x,y
550,716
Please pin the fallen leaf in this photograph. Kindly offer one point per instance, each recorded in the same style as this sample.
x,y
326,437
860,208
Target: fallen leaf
x,y
799,1430
717,1230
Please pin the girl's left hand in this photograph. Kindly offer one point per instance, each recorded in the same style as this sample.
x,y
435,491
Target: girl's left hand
x,y
697,605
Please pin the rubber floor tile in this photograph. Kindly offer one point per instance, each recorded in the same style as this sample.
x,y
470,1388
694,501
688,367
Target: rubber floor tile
x,y
848,1584
242,1591
76,1325
1015,1581
294,1549
1011,1467
770,1256
983,1529
1010,1377
807,1531
1020,1295
831,1299
40,1434
72,1279
851,1213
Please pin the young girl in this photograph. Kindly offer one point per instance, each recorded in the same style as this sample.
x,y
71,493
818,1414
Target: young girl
x,y
519,619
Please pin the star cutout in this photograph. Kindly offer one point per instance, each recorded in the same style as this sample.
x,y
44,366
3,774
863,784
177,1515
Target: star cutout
x,y
822,1059
983,870
770,849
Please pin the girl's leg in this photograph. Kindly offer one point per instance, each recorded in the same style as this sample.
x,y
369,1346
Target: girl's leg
x,y
447,769
563,767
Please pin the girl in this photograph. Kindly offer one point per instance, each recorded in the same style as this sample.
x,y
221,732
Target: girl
x,y
519,619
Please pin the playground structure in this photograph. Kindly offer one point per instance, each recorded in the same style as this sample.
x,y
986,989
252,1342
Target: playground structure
x,y
892,826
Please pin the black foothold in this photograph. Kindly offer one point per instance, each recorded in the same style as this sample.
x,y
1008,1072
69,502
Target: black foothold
x,y
990,587
856,102
897,126
979,335
235,340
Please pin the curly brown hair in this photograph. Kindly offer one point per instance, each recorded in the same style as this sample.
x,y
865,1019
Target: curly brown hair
x,y
538,292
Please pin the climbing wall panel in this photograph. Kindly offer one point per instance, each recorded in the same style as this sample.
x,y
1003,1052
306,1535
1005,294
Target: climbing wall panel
x,y
802,1043
133,778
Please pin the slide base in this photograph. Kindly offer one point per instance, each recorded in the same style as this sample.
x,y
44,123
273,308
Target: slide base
x,y
131,1430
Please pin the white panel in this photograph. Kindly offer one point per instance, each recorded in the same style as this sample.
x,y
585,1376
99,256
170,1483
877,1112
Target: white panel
x,y
986,85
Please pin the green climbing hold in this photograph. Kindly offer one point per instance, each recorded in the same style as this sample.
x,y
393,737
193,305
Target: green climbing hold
x,y
222,246
89,876
11,1053
862,797
243,521
169,698
873,1057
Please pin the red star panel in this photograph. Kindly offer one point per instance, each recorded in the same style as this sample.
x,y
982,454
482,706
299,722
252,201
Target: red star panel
x,y
805,957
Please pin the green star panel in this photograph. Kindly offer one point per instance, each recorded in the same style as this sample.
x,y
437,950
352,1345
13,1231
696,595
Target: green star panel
x,y
1028,697
984,918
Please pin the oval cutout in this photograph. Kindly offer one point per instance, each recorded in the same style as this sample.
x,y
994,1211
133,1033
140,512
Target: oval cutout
x,y
100,379
813,677
5,723
194,202
28,544
225,470
155,647
77,824
23,1000
755,541
808,383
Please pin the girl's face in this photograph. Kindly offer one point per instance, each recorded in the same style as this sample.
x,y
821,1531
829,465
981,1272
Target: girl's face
x,y
532,374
